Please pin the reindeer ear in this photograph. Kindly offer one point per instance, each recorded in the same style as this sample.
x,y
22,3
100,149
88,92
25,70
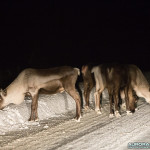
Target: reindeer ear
x,y
3,92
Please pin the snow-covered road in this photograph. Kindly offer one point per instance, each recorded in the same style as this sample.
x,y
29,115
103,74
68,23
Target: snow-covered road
x,y
57,130
93,132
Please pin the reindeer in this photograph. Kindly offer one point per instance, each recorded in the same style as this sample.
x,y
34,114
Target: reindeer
x,y
35,81
114,77
139,83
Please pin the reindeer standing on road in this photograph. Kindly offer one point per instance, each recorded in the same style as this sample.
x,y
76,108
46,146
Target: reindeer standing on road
x,y
115,78
33,81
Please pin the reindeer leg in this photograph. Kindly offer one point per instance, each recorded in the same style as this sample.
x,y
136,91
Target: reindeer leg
x,y
34,105
126,92
97,102
72,92
116,101
86,97
111,115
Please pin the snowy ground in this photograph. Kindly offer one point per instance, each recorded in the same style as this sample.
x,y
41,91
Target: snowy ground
x,y
57,129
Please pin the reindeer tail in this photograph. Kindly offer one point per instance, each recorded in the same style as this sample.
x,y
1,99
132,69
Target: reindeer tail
x,y
78,70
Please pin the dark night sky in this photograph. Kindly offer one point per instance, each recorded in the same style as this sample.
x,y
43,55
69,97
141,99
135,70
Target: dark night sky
x,y
54,33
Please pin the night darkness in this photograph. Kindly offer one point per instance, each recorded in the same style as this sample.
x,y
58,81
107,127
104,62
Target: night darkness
x,y
56,33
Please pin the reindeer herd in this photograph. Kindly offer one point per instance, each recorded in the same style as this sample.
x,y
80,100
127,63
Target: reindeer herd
x,y
120,81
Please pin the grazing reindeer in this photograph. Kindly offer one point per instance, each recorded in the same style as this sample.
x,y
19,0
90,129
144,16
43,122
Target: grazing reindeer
x,y
114,78
34,81
139,83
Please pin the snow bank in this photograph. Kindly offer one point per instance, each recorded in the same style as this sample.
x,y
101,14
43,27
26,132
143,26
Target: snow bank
x,y
16,116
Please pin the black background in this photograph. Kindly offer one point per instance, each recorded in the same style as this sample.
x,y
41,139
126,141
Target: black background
x,y
55,33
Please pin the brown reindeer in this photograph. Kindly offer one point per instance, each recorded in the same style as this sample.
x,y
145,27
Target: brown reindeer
x,y
114,77
35,81
139,83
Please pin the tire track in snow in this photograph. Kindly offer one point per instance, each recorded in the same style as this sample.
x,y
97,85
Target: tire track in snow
x,y
113,135
65,127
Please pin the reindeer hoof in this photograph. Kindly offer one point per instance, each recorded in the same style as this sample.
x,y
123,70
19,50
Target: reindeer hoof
x,y
77,119
111,116
117,114
86,107
129,112
30,119
35,119
98,112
